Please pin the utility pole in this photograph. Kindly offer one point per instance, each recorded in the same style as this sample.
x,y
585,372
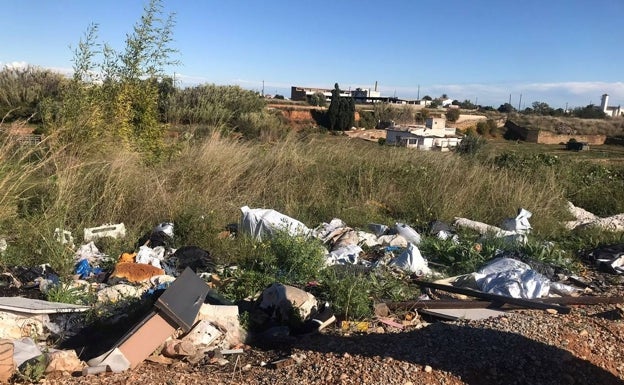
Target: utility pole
x,y
520,102
263,88
510,99
418,94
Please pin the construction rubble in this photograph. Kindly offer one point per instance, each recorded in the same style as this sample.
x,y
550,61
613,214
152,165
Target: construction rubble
x,y
177,313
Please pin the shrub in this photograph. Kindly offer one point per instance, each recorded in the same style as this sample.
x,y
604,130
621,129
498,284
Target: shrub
x,y
471,145
347,291
452,114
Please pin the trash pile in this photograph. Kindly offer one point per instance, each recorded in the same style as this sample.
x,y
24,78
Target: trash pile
x,y
179,314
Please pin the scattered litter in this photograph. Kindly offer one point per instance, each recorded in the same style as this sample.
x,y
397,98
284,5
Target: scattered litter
x,y
226,352
353,326
135,272
608,258
64,237
390,322
150,256
514,229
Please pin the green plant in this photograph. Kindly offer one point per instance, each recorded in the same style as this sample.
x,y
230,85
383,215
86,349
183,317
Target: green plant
x,y
33,369
64,292
385,286
452,114
471,145
348,292
341,111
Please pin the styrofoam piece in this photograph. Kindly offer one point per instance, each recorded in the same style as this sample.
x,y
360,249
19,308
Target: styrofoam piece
x,y
112,231
64,237
203,333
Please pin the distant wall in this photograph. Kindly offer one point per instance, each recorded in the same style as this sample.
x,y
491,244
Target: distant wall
x,y
547,137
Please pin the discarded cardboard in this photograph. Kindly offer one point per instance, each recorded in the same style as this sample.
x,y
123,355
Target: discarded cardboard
x,y
6,360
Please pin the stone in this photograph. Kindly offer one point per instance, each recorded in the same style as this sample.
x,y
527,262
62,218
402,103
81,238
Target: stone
x,y
177,348
381,310
63,361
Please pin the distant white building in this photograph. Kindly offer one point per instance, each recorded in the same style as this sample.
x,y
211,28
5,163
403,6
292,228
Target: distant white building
x,y
611,111
434,135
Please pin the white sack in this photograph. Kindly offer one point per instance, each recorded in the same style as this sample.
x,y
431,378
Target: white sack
x,y
260,223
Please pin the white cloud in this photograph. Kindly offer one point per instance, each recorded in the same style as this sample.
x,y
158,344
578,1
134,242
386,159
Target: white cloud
x,y
15,65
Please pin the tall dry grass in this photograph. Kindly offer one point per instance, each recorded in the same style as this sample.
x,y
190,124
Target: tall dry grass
x,y
202,186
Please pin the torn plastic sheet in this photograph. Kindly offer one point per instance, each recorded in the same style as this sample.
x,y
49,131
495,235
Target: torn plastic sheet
x,y
150,256
408,233
89,252
608,258
346,255
378,229
260,223
513,278
520,224
412,261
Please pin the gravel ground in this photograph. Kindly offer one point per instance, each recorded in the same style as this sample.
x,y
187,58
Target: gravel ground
x,y
520,347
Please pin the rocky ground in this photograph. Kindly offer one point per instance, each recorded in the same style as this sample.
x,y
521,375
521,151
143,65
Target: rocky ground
x,y
585,346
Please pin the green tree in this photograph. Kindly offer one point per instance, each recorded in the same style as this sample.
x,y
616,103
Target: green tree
x,y
452,114
468,105
23,89
120,96
341,111
506,108
589,112
542,108
318,99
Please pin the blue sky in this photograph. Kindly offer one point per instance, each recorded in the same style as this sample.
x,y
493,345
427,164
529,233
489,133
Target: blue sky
x,y
554,51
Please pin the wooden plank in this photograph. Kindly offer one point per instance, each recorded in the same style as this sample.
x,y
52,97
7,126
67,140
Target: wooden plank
x,y
530,304
455,314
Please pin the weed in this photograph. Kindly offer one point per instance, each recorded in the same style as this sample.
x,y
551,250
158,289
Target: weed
x,y
33,370
66,293
349,292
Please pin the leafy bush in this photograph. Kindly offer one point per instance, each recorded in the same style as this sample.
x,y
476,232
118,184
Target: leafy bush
x,y
287,259
471,145
347,291
452,114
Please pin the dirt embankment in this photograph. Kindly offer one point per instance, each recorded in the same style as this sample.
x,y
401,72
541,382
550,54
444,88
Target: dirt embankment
x,y
299,117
